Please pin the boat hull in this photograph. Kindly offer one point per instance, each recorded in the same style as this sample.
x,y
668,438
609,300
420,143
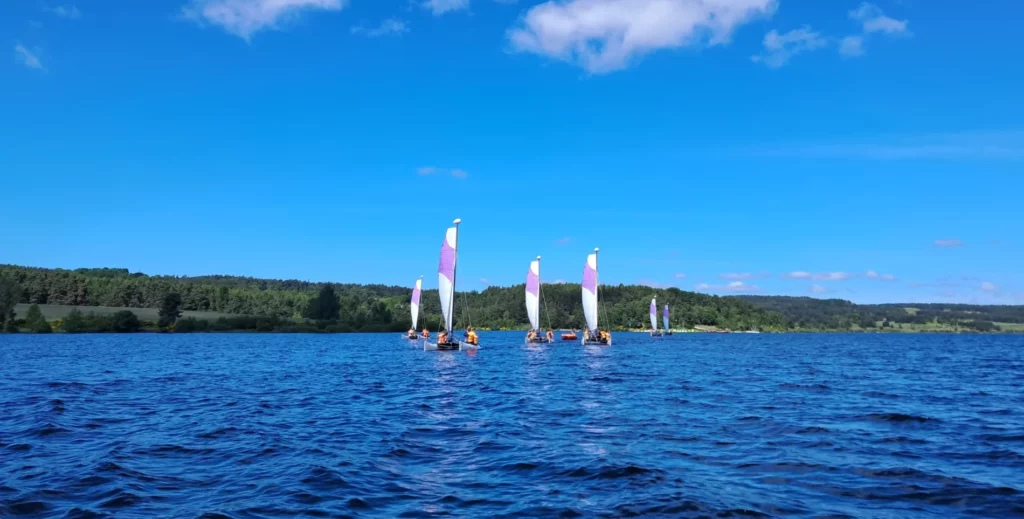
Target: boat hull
x,y
657,334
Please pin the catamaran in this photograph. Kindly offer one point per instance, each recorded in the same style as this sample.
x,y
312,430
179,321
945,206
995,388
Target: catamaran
x,y
592,335
414,307
655,332
535,335
446,340
664,320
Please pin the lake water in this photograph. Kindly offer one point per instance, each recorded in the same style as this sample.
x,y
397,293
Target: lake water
x,y
368,426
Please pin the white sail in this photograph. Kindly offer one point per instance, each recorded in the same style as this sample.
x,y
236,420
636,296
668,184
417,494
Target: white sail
x,y
415,304
533,294
446,276
590,291
654,315
664,317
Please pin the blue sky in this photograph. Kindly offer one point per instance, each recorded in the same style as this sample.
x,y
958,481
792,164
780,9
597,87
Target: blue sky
x,y
869,151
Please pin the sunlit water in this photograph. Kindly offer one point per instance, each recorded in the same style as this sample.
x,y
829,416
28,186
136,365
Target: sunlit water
x,y
367,425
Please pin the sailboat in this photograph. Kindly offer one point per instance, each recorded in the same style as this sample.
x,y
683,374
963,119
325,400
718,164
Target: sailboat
x,y
535,336
446,289
414,307
655,332
592,335
664,320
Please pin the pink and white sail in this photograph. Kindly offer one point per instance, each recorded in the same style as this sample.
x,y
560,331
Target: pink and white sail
x,y
446,275
533,294
415,303
590,291
664,317
654,315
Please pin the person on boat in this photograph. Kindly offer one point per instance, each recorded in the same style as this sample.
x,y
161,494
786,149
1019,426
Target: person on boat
x,y
442,338
551,335
425,333
586,334
411,333
604,336
471,336
531,335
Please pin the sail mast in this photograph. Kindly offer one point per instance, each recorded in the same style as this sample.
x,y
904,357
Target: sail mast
x,y
455,270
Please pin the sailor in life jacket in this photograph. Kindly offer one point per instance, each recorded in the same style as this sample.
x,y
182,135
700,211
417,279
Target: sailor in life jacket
x,y
604,336
471,336
531,335
442,338
411,333
551,335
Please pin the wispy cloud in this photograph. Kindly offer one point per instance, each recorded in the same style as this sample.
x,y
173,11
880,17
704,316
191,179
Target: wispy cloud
x,y
602,36
564,240
439,7
818,289
680,275
851,46
71,11
243,18
391,26
738,275
988,286
991,145
871,274
948,243
735,286
27,58
817,276
779,48
485,281
653,284
872,19
430,170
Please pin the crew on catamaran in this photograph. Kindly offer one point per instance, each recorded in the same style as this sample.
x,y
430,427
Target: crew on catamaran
x,y
442,338
425,333
411,334
471,337
531,335
551,335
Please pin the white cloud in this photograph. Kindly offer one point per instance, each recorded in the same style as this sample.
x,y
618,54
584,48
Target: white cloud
x,y
485,281
563,241
735,286
652,284
458,173
387,27
818,276
974,145
948,243
243,18
779,48
737,275
65,12
602,36
27,58
872,19
851,46
988,287
680,275
818,289
428,170
439,7
871,274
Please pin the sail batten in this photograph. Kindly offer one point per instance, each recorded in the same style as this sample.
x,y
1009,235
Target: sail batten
x,y
446,276
533,294
590,282
415,303
654,315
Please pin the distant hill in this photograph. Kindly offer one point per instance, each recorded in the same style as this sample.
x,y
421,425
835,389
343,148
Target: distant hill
x,y
839,314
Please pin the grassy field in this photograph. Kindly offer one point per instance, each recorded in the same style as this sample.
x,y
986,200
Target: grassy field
x,y
53,312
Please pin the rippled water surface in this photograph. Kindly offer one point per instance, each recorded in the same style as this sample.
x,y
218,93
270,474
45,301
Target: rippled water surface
x,y
367,425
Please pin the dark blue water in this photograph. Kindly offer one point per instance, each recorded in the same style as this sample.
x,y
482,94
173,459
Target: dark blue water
x,y
365,425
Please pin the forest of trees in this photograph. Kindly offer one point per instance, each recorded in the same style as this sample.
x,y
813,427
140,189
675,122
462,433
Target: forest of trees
x,y
352,307
837,314
291,305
